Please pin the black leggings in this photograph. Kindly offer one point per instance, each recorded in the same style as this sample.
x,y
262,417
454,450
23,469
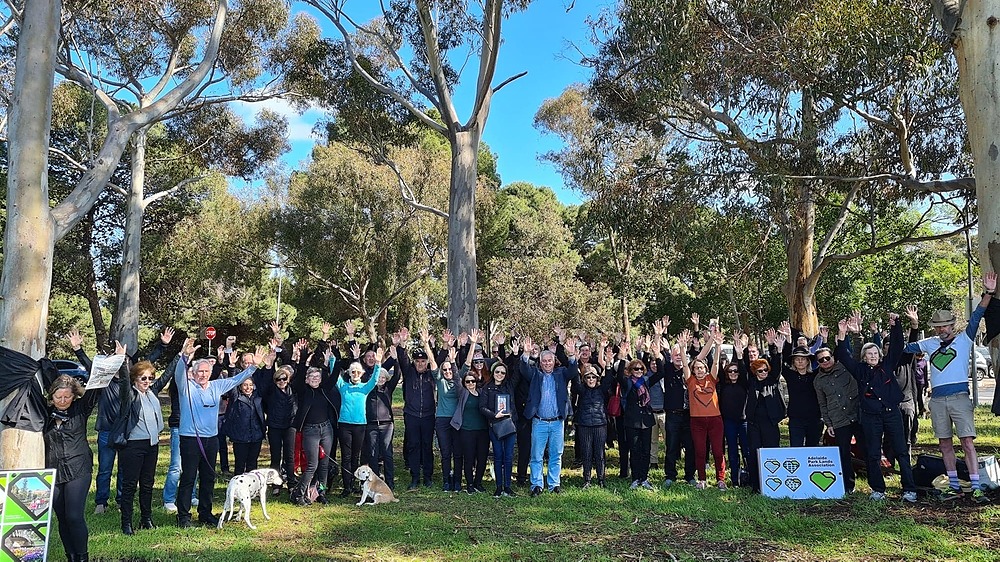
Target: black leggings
x,y
638,445
475,445
591,440
352,441
68,501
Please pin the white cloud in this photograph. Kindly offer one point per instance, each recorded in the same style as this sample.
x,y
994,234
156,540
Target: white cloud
x,y
300,126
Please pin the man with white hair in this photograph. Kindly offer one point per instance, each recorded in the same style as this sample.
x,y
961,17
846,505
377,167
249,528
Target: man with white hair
x,y
546,408
948,354
199,399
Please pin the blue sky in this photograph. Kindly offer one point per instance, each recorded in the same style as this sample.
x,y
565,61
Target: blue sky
x,y
544,41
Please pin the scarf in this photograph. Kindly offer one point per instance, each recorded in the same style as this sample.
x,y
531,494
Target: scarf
x,y
639,384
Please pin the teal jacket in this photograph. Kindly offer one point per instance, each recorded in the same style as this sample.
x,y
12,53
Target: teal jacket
x,y
353,397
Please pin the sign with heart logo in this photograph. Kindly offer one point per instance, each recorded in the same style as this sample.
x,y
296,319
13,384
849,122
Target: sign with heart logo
x,y
942,358
823,479
801,473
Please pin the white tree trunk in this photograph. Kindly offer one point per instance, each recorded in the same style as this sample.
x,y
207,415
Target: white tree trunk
x,y
29,240
977,50
463,308
126,328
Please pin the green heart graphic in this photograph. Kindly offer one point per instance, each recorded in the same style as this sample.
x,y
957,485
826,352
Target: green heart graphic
x,y
823,479
941,359
771,465
773,483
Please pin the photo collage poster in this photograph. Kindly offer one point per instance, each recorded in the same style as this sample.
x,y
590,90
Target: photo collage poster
x,y
25,514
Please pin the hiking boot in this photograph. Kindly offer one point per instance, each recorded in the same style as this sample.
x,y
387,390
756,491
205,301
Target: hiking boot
x,y
949,494
414,485
910,497
979,497
536,491
146,523
877,496
557,490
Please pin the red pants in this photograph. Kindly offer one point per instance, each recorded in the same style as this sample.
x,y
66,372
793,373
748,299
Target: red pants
x,y
705,431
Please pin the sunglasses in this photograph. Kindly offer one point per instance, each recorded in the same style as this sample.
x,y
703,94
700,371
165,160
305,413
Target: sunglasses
x,y
144,379
638,369
470,381
590,377
478,361
732,370
445,369
824,359
281,379
499,372
761,370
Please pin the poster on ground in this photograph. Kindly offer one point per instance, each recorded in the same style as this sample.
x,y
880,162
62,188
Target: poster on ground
x,y
801,473
25,514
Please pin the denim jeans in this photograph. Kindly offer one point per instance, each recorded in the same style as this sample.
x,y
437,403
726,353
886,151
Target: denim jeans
x,y
503,458
380,450
313,437
546,435
736,445
105,467
174,468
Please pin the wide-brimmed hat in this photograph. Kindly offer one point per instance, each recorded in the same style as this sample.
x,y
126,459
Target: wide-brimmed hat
x,y
801,351
942,318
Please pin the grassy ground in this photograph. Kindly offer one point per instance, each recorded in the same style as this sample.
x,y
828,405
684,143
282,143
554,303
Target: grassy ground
x,y
610,524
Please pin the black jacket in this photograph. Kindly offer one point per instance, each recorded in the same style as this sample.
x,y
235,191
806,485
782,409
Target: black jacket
x,y
591,410
488,398
280,406
877,385
244,421
130,401
764,401
378,404
418,388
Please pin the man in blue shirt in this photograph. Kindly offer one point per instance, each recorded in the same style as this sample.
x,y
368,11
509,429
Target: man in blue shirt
x,y
199,399
545,408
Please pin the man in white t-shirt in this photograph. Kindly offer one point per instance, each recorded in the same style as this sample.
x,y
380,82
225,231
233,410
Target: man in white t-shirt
x,y
948,355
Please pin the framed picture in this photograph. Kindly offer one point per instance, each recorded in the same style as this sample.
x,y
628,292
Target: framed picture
x,y
503,404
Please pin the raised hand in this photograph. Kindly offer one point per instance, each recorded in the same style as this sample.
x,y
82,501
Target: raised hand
x,y
189,348
356,350
447,337
75,339
771,335
527,345
325,329
275,328
785,329
462,339
717,336
302,343
167,335
873,326
893,317
570,346
666,323
349,328
379,355
327,354
452,355
477,335
220,352
855,321
825,332
911,315
560,332
119,348
230,342
990,281
260,354
842,328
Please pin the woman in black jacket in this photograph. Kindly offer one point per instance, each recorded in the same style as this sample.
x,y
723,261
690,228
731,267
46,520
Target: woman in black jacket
x,y
732,392
67,451
591,420
244,425
141,427
765,409
316,419
280,407
497,406
378,410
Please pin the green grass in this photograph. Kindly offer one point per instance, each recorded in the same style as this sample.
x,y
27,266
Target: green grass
x,y
610,524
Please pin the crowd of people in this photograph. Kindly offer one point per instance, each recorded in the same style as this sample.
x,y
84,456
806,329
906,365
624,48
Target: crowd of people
x,y
514,396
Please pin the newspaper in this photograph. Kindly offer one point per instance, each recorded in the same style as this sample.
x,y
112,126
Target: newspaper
x,y
104,369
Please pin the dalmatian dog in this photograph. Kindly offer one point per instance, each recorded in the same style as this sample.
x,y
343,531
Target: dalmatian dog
x,y
244,488
373,487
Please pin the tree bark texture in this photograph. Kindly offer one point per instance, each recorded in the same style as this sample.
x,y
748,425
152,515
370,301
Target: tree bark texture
x,y
463,310
29,240
126,328
977,50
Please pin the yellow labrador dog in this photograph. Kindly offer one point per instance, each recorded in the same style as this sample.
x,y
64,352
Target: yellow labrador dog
x,y
373,487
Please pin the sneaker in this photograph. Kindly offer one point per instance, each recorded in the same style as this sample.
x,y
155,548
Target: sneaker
x,y
692,482
668,483
910,497
979,497
877,496
646,485
170,507
509,493
498,493
722,486
634,485
536,491
699,485
949,494
586,485
101,508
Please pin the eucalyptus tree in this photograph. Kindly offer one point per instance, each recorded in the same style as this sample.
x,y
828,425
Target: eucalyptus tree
x,y
44,47
801,107
354,248
439,37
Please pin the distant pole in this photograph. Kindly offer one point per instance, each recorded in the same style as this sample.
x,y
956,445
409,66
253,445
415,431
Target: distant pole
x,y
968,305
277,309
